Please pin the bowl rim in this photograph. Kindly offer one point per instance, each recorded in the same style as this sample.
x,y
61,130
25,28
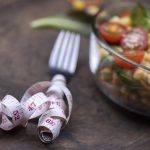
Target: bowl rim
x,y
106,46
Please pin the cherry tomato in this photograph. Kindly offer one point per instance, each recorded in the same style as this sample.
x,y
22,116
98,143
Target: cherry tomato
x,y
125,13
133,55
135,39
112,32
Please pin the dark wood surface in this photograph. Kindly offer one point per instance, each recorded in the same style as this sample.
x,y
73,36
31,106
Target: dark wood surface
x,y
96,123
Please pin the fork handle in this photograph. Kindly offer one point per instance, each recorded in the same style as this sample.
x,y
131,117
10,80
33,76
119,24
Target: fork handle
x,y
59,80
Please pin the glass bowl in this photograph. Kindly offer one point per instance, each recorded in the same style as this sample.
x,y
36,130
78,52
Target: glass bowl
x,y
127,88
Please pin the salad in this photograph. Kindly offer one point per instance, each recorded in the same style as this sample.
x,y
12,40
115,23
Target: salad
x,y
129,35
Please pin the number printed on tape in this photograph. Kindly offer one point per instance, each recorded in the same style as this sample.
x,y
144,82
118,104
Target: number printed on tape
x,y
36,102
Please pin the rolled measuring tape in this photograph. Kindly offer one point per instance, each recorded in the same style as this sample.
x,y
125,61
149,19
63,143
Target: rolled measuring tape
x,y
51,102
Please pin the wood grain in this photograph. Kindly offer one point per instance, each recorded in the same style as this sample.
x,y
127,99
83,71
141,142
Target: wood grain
x,y
96,123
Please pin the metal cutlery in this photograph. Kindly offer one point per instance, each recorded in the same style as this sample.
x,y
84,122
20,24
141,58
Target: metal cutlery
x,y
64,55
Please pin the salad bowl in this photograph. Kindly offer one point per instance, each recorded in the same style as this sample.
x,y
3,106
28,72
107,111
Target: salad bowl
x,y
122,63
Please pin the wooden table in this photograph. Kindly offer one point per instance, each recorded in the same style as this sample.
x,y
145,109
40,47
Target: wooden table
x,y
96,123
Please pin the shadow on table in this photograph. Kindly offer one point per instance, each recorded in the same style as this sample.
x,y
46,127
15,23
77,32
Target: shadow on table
x,y
123,111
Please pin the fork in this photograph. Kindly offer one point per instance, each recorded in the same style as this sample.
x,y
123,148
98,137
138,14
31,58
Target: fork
x,y
94,58
64,55
62,65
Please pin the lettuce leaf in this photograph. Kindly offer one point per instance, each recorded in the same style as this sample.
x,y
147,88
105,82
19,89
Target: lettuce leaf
x,y
126,78
140,16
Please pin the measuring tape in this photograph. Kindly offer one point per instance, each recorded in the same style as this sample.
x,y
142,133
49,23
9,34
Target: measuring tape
x,y
51,102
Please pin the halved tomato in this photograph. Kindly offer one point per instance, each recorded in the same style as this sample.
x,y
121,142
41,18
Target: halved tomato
x,y
133,55
135,39
112,32
125,13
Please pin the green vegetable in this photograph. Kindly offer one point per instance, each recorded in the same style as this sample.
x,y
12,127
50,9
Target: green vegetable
x,y
117,48
140,17
108,58
62,22
126,78
79,16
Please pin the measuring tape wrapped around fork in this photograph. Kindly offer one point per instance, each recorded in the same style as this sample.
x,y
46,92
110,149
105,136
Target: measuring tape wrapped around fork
x,y
50,101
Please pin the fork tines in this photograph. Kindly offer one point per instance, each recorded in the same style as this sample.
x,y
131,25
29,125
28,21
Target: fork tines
x,y
64,54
